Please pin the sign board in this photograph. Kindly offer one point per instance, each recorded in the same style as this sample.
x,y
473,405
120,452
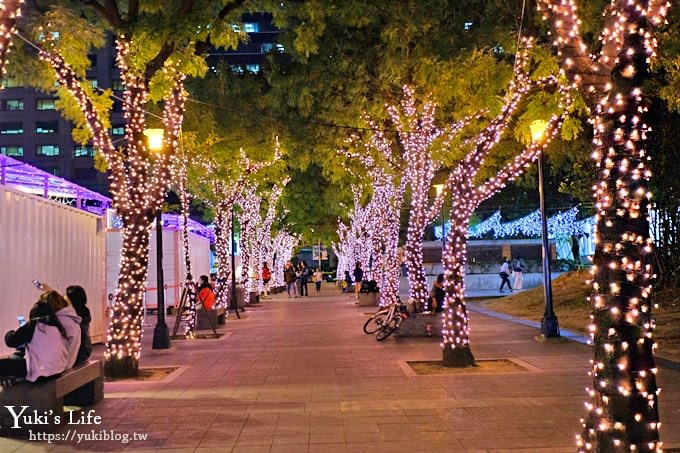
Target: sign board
x,y
319,251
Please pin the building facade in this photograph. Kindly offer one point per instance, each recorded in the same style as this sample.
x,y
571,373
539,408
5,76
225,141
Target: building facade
x,y
32,130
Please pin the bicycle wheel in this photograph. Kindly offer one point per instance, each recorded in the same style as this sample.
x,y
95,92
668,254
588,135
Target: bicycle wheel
x,y
387,329
375,322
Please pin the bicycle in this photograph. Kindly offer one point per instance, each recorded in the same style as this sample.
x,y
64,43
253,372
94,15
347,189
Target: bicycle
x,y
386,320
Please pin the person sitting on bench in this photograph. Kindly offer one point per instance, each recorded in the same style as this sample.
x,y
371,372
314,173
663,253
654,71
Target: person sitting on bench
x,y
46,346
76,295
205,292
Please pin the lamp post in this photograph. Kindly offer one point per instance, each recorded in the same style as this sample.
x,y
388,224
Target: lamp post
x,y
234,299
440,188
161,336
550,327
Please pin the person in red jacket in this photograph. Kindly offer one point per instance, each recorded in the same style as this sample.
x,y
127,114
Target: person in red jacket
x,y
205,292
266,277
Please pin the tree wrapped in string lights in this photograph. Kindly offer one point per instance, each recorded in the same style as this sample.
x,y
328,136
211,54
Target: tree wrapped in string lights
x,y
623,411
466,194
263,246
282,250
138,183
418,137
220,185
248,218
354,245
387,186
153,57
10,10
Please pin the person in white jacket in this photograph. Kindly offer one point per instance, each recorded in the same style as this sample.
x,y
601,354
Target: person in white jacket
x,y
47,345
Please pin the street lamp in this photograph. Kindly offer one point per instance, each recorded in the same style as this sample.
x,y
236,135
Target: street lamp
x,y
550,327
439,188
161,336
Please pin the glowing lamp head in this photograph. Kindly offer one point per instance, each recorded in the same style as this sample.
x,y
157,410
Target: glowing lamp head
x,y
538,128
155,139
439,188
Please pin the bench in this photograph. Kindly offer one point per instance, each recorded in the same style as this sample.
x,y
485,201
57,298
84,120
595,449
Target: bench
x,y
204,317
416,325
79,386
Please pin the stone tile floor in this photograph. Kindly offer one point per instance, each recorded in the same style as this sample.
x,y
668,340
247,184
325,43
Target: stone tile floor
x,y
299,375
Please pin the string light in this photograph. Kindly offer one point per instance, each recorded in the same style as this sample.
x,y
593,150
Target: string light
x,y
138,184
381,216
623,412
10,11
220,187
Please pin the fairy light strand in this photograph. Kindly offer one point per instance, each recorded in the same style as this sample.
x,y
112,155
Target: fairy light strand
x,y
622,406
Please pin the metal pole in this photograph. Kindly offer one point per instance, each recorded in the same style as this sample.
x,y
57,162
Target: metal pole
x,y
443,233
550,327
234,299
161,337
319,242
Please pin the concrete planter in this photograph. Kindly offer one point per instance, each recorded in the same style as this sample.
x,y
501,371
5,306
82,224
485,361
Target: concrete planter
x,y
421,325
369,299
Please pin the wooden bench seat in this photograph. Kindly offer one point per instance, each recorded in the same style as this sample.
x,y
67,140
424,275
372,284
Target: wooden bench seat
x,y
79,386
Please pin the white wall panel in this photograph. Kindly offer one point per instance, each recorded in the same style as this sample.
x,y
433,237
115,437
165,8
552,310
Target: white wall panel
x,y
173,263
53,243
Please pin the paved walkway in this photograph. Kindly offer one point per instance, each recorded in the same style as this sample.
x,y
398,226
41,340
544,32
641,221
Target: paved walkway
x,y
298,375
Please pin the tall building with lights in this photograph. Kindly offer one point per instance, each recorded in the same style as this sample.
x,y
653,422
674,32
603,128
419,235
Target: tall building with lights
x,y
32,130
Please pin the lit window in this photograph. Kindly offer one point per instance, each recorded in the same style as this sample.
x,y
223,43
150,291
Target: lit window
x,y
236,69
117,85
280,48
10,82
118,130
253,68
266,47
14,104
46,127
251,27
47,150
12,151
94,83
44,104
467,25
12,128
83,151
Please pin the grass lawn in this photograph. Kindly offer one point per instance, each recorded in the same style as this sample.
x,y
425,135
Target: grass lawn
x,y
573,311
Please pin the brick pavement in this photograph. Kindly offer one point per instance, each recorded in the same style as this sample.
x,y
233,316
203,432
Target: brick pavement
x,y
299,375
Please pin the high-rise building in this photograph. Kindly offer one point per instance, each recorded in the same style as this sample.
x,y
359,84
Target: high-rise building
x,y
33,131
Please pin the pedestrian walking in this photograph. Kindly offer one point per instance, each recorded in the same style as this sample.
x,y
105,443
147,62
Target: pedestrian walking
x,y
317,278
303,274
518,272
289,278
358,278
504,273
266,277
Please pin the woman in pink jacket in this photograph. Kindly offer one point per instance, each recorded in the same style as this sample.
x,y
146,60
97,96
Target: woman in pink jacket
x,y
47,345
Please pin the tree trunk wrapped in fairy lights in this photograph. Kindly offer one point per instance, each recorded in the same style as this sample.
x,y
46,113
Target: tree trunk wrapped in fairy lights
x,y
282,250
466,195
623,408
263,233
138,182
220,186
418,136
384,209
190,288
248,217
10,10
